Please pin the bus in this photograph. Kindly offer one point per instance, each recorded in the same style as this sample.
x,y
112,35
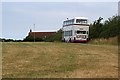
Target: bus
x,y
75,30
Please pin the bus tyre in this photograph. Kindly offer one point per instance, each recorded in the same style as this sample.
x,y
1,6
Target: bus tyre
x,y
70,40
74,39
64,40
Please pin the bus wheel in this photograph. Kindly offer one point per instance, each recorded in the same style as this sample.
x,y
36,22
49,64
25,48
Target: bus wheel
x,y
64,40
74,39
70,40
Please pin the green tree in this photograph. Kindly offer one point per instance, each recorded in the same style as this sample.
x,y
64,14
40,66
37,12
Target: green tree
x,y
95,28
110,28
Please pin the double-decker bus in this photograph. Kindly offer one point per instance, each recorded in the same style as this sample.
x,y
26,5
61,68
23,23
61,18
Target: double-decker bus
x,y
75,30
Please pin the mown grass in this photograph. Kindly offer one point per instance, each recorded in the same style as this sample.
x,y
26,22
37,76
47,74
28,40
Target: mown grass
x,y
58,60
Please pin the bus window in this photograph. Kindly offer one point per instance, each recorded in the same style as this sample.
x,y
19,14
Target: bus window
x,y
68,22
72,21
64,23
81,32
82,21
77,20
68,33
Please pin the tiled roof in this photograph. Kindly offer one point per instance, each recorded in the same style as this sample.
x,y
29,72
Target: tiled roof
x,y
40,34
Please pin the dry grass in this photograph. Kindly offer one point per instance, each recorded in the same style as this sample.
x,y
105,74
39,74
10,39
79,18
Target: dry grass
x,y
109,41
0,60
59,60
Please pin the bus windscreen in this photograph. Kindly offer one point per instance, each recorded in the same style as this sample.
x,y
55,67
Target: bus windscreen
x,y
81,32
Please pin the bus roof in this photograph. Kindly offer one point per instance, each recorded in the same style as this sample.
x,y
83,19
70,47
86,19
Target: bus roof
x,y
80,18
76,18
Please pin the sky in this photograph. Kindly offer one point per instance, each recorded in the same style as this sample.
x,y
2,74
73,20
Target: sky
x,y
119,8
19,17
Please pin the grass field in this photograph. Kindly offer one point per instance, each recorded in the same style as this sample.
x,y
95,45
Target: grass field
x,y
59,60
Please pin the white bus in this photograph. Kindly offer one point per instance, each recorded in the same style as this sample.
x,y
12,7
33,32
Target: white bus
x,y
75,30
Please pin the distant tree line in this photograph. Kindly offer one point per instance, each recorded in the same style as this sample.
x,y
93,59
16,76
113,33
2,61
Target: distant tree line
x,y
107,29
9,40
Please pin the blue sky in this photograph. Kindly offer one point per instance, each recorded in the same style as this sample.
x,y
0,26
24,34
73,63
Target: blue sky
x,y
18,17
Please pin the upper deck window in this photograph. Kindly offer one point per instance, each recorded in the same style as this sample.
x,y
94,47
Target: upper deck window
x,y
81,21
68,22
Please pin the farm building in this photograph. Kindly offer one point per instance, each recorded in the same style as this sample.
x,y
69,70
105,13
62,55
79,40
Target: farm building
x,y
39,35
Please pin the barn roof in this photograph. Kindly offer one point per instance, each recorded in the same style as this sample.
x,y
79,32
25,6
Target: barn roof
x,y
40,34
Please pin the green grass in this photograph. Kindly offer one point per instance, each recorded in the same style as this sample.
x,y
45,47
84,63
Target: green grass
x,y
58,60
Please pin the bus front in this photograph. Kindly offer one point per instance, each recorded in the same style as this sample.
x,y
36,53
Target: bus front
x,y
81,29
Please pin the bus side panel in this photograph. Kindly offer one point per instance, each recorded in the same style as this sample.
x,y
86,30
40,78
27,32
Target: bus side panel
x,y
66,38
73,37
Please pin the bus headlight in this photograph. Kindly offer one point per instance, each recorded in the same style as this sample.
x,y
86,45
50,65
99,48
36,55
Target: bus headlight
x,y
84,36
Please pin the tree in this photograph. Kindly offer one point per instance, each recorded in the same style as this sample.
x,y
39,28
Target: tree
x,y
110,28
55,37
95,28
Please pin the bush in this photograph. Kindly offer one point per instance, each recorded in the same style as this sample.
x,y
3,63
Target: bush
x,y
110,28
56,37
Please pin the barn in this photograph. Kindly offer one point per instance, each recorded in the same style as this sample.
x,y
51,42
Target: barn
x,y
39,35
